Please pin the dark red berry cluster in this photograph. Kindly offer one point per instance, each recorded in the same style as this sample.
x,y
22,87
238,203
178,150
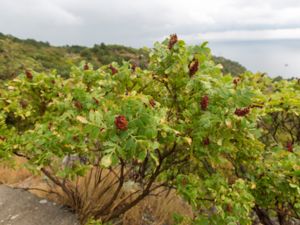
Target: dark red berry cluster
x,y
206,141
133,67
229,208
28,74
204,102
86,67
50,126
152,102
23,104
78,105
2,138
184,182
75,138
113,70
242,111
289,146
236,81
193,67
173,40
121,122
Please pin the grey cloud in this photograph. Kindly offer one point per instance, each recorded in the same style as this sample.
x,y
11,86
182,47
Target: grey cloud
x,y
139,22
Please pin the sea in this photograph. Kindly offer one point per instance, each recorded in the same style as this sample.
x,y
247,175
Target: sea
x,y
274,57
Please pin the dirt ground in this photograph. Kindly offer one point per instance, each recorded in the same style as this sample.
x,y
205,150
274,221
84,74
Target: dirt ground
x,y
154,210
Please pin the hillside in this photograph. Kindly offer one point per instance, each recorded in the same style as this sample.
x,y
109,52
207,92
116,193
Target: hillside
x,y
230,66
16,55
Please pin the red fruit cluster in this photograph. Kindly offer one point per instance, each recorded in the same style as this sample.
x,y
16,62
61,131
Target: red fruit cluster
x,y
152,102
121,122
113,70
50,126
28,74
2,138
86,67
206,141
289,146
133,66
78,105
193,67
204,102
173,40
229,208
242,111
236,81
23,104
75,138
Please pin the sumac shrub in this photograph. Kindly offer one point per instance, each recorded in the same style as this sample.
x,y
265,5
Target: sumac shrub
x,y
113,129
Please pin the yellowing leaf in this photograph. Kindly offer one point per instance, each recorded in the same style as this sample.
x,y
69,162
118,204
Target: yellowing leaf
x,y
106,161
228,123
82,119
188,140
163,134
220,141
253,186
154,157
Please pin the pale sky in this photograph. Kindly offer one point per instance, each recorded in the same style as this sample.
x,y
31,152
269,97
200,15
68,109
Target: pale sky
x,y
141,22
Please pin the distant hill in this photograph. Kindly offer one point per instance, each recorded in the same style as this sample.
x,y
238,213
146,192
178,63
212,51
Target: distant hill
x,y
230,66
16,55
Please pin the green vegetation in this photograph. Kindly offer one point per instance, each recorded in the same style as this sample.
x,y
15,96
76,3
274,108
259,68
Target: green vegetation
x,y
229,146
18,55
229,66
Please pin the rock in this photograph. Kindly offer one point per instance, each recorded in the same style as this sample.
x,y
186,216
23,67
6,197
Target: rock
x,y
14,217
43,201
22,208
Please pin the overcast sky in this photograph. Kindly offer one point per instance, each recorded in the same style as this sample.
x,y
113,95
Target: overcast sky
x,y
141,22
262,35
